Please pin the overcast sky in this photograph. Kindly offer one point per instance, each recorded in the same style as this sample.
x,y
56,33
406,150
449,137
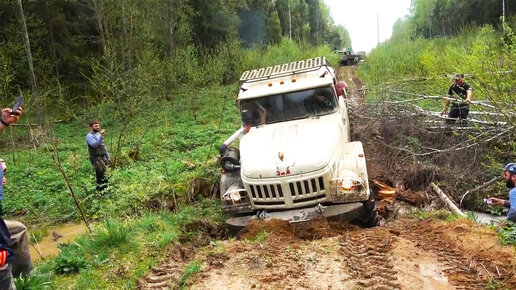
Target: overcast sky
x,y
359,18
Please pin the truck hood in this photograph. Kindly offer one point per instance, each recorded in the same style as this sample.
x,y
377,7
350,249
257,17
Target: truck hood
x,y
290,148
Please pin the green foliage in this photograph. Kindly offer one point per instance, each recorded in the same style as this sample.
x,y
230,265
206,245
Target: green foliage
x,y
472,216
120,251
37,235
496,210
438,18
68,262
438,214
190,270
260,237
114,233
495,285
32,282
507,233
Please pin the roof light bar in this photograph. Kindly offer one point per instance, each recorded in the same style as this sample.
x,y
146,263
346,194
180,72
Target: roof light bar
x,y
293,67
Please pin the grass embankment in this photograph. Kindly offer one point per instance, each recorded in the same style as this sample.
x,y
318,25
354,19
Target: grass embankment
x,y
166,160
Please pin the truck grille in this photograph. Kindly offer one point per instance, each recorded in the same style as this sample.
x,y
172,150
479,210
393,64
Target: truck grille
x,y
298,193
307,190
270,194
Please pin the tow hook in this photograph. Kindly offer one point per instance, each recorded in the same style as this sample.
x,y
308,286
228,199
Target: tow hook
x,y
319,208
262,214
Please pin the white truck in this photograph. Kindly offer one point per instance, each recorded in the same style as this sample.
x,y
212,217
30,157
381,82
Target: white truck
x,y
295,160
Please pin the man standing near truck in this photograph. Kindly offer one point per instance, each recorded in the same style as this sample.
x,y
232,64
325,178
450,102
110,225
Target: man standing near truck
x,y
462,94
99,155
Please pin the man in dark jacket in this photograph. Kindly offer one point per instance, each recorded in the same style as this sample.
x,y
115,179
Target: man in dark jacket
x,y
462,94
99,155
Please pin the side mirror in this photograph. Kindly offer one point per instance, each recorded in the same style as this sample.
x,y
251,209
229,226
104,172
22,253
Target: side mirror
x,y
247,117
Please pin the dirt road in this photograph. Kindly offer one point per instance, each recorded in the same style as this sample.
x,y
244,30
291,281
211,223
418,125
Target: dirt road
x,y
403,253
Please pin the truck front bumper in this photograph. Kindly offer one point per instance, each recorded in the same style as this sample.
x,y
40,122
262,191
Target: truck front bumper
x,y
345,211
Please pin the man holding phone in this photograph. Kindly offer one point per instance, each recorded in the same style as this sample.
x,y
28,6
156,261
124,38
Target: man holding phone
x,y
99,155
15,257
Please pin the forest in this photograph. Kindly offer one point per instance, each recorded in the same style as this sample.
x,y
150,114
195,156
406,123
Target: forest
x,y
84,53
162,75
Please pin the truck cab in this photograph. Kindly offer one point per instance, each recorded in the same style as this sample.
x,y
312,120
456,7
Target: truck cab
x,y
295,159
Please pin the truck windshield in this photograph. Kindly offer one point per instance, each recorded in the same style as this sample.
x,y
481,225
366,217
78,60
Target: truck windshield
x,y
288,106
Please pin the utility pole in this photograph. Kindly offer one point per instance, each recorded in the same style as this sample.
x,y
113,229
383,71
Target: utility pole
x,y
289,22
503,16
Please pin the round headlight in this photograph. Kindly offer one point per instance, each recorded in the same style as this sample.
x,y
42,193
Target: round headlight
x,y
346,184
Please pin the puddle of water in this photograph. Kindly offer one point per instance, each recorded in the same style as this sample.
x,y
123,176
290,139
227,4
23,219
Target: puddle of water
x,y
62,234
488,219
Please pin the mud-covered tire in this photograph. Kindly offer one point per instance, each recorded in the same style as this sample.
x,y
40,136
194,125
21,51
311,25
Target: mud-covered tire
x,y
370,217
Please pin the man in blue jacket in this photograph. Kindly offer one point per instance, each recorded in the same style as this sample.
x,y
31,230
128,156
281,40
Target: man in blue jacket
x,y
510,180
99,155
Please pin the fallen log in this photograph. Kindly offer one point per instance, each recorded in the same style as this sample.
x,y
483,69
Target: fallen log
x,y
447,200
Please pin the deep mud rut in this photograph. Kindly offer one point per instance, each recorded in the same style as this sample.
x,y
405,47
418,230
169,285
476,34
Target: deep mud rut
x,y
400,254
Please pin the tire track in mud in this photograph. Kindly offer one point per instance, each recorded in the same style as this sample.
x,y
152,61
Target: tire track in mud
x,y
366,253
463,272
161,277
166,274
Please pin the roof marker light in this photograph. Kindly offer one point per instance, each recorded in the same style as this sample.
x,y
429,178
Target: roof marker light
x,y
281,82
293,80
269,84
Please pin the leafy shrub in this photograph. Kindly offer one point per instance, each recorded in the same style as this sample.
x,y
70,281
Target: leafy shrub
x,y
507,233
33,282
69,261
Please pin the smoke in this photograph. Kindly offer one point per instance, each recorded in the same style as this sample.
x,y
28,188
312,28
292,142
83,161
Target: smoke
x,y
252,28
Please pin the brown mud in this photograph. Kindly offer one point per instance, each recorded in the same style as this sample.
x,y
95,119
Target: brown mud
x,y
401,254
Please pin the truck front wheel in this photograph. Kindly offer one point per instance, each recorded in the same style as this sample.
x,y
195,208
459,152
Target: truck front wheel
x,y
370,217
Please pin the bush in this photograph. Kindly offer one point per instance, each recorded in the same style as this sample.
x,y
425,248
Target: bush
x,y
70,261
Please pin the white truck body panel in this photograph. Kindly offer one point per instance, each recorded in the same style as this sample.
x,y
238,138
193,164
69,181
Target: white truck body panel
x,y
306,145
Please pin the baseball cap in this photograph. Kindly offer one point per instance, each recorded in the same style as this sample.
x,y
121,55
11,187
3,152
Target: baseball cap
x,y
457,76
511,167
